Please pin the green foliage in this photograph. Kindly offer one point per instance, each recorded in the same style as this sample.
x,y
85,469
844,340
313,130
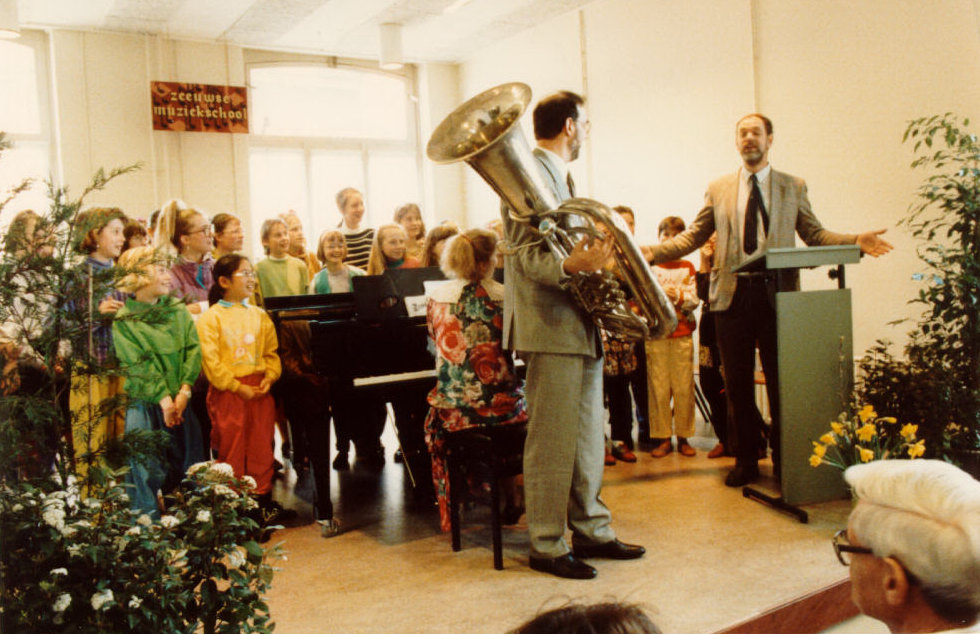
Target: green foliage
x,y
93,565
73,556
938,383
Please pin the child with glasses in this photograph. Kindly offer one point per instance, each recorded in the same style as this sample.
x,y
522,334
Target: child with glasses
x,y
238,350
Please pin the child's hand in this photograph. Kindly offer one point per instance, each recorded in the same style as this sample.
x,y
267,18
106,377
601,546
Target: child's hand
x,y
109,306
169,411
264,386
180,404
246,392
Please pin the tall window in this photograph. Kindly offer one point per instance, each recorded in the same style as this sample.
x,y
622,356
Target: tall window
x,y
316,129
24,119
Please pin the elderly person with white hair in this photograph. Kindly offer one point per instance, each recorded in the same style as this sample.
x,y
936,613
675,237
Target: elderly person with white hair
x,y
913,545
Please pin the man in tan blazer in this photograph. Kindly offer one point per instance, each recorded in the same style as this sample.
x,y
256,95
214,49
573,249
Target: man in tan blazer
x,y
563,456
753,209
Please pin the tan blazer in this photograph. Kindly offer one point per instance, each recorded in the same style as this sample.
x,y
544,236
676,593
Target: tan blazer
x,y
539,315
789,215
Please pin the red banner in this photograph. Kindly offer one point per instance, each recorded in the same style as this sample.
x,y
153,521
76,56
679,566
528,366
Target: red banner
x,y
199,107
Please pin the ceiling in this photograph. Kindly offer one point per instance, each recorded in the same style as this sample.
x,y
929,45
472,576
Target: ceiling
x,y
433,30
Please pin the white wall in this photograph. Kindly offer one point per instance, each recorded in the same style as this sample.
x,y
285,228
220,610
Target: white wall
x,y
666,82
102,100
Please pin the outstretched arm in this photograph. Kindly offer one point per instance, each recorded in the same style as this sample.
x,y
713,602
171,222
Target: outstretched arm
x,y
872,244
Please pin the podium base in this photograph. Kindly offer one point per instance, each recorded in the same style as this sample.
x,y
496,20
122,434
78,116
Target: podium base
x,y
777,503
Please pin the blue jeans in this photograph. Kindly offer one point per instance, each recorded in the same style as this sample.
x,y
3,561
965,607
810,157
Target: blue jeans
x,y
150,474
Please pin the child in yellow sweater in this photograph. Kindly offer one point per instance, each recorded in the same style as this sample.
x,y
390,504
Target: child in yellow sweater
x,y
238,349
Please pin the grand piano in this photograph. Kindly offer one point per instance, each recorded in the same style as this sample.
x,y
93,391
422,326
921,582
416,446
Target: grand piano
x,y
371,347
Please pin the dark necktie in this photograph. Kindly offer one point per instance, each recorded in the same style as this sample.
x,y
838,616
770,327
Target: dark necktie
x,y
571,185
755,208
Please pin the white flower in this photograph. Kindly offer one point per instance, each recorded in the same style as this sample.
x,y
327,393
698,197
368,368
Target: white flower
x,y
74,549
249,482
169,521
82,524
134,602
250,503
17,508
54,517
93,503
69,531
144,520
134,531
62,602
223,468
59,571
236,559
123,498
194,468
203,515
99,599
225,491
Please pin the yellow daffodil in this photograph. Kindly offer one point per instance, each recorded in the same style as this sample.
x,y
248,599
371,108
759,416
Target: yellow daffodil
x,y
866,432
815,460
866,455
837,428
917,449
888,419
908,431
819,450
828,439
867,413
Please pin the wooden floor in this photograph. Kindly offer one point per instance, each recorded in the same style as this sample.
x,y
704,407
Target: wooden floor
x,y
714,558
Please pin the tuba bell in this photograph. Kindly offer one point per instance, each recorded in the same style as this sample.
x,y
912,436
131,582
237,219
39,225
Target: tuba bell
x,y
485,132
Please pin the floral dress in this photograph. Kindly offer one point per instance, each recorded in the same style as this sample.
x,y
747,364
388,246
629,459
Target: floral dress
x,y
476,385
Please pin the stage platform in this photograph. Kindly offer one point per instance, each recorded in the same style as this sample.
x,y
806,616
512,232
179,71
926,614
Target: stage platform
x,y
714,558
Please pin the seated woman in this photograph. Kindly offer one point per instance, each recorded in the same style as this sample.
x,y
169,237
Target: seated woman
x,y
388,251
476,383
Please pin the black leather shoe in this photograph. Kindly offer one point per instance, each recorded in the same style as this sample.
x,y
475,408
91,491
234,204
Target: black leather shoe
x,y
609,550
741,475
566,566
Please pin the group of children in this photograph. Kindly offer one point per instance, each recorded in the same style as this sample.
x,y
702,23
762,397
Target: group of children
x,y
186,326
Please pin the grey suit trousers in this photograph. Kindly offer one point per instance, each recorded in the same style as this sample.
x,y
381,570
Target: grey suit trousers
x,y
563,456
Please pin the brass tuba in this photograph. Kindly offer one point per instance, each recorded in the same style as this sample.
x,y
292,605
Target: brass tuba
x,y
485,133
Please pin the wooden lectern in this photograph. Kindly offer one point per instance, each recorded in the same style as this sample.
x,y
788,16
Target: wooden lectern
x,y
816,368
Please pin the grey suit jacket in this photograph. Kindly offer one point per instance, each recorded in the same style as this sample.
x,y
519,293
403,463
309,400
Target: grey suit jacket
x,y
539,315
789,214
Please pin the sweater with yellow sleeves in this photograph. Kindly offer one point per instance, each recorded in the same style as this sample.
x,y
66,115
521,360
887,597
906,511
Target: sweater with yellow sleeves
x,y
237,340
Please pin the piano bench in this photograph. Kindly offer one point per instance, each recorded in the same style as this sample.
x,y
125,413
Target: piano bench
x,y
496,451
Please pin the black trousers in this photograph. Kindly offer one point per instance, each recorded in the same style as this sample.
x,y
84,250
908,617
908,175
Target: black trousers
x,y
617,390
750,321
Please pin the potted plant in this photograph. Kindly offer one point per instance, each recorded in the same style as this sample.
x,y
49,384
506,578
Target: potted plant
x,y
937,384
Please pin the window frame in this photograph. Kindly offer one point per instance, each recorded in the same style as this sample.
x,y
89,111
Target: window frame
x,y
364,146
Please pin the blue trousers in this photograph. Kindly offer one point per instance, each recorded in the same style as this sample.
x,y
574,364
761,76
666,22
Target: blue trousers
x,y
150,474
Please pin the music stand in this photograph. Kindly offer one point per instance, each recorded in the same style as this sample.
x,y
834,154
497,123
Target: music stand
x,y
814,344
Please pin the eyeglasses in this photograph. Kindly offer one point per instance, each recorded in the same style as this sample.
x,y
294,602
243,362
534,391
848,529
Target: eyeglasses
x,y
248,275
844,550
206,230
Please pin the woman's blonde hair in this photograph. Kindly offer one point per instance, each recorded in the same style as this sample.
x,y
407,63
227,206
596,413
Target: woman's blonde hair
x,y
376,261
174,223
137,264
468,255
320,253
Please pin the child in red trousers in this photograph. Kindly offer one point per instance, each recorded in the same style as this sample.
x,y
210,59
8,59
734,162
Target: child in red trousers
x,y
238,350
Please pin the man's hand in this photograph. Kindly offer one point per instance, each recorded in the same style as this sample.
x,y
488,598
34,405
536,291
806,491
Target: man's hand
x,y
588,257
871,244
708,253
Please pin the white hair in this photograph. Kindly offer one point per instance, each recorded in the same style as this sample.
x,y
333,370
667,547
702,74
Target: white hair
x,y
925,514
